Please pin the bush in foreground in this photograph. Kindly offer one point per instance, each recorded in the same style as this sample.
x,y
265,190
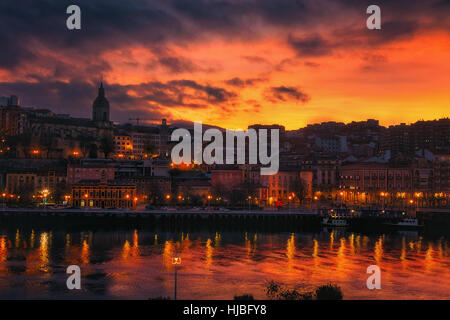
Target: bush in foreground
x,y
329,292
276,291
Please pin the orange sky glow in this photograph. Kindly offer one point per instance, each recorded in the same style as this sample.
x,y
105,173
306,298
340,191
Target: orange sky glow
x,y
287,71
400,82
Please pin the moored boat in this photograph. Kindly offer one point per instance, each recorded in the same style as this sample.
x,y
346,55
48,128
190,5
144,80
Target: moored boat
x,y
334,222
407,223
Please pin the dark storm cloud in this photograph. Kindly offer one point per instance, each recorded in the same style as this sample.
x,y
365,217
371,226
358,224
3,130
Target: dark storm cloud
x,y
178,65
242,83
226,17
394,30
162,97
171,94
12,53
284,94
443,3
108,24
62,97
350,38
311,46
214,95
361,37
76,97
32,31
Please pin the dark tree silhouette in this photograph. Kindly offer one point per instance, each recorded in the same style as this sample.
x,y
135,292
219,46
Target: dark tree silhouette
x,y
85,142
150,148
107,145
298,187
47,142
329,292
22,141
61,189
276,291
93,151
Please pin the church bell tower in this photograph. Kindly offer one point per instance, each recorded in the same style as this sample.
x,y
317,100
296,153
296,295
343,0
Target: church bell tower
x,y
100,107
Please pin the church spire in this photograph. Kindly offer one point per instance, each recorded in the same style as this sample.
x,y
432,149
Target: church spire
x,y
101,90
100,107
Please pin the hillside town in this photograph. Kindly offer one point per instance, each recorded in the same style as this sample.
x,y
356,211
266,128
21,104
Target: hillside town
x,y
49,159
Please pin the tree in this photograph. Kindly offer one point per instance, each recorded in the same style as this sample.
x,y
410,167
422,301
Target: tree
x,y
107,145
155,193
21,141
329,292
47,141
237,198
276,291
84,141
194,199
220,191
299,189
150,148
61,189
25,192
93,152
249,188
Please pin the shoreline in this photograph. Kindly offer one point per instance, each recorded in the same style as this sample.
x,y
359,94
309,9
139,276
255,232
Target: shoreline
x,y
435,222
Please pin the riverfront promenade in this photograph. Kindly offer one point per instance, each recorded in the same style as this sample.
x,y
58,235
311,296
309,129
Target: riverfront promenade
x,y
433,220
130,212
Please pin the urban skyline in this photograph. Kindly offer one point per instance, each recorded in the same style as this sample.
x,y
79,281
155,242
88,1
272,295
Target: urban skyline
x,y
322,163
275,149
184,123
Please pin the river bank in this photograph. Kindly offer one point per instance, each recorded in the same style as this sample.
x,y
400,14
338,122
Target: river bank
x,y
434,222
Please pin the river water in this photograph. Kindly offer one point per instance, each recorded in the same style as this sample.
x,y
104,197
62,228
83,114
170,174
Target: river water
x,y
137,264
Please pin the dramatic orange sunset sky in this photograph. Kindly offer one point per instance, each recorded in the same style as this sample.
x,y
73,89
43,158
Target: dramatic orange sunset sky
x,y
232,63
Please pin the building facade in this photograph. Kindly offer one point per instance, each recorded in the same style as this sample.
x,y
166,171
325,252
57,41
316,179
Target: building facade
x,y
109,194
91,171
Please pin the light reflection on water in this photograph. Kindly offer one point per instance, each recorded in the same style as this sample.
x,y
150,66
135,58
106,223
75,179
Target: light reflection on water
x,y
138,264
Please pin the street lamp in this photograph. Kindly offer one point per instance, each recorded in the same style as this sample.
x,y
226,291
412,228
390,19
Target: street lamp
x,y
67,199
127,206
316,203
175,261
419,195
45,193
4,200
209,197
342,198
383,194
